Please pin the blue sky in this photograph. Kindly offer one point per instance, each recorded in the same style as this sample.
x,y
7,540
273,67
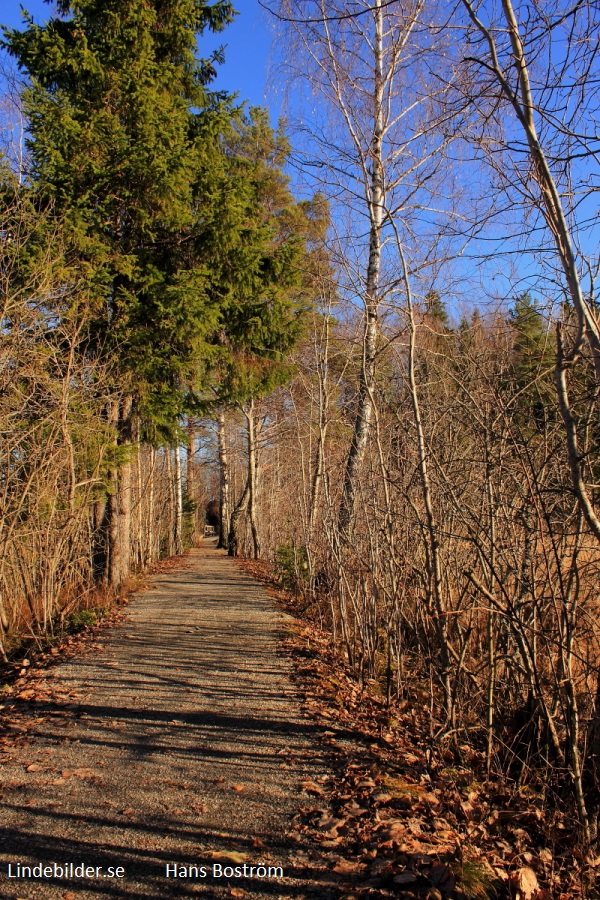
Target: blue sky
x,y
247,43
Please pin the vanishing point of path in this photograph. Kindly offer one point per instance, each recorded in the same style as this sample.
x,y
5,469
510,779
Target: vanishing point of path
x,y
178,741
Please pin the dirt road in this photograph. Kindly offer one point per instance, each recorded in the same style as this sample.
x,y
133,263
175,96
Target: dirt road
x,y
179,743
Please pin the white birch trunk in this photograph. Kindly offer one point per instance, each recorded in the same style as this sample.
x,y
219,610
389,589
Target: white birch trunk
x,y
375,200
224,490
178,498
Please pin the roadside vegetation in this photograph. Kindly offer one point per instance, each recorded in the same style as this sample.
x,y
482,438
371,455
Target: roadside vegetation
x,y
381,377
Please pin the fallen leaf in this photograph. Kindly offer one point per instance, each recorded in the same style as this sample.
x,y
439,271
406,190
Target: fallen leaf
x,y
238,787
232,856
381,867
405,878
395,830
348,867
415,826
442,877
311,788
525,883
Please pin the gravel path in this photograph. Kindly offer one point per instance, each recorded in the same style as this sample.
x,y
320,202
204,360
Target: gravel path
x,y
179,742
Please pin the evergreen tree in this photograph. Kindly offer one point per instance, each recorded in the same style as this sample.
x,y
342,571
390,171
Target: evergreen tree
x,y
435,308
259,250
120,122
258,255
532,362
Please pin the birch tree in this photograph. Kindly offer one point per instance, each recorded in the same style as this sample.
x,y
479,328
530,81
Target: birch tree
x,y
367,137
532,81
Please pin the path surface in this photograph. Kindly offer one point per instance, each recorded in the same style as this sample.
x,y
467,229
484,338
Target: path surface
x,y
181,737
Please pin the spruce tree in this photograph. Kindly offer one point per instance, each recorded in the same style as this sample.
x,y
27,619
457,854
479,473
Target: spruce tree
x,y
261,250
532,364
257,253
120,122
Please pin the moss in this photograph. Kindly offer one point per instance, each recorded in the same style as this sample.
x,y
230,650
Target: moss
x,y
396,785
82,619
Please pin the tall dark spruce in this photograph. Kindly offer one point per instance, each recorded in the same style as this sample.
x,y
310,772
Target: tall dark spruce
x,y
122,131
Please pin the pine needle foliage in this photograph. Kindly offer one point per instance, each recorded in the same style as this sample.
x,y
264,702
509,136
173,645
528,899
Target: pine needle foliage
x,y
121,122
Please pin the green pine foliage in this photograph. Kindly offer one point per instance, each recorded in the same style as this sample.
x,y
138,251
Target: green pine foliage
x,y
121,122
260,251
176,206
532,363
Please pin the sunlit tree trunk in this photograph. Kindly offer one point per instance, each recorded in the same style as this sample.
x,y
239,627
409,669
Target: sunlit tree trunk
x,y
249,413
178,496
224,490
322,424
192,490
375,199
519,94
233,538
125,486
113,544
171,505
151,539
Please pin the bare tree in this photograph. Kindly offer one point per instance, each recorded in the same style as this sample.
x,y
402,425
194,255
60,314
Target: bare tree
x,y
375,156
541,66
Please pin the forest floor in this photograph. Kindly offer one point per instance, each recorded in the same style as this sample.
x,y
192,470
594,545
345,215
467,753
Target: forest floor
x,y
203,727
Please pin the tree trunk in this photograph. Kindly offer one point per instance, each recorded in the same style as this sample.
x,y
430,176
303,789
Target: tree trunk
x,y
252,478
170,516
100,541
433,558
124,491
233,539
151,549
191,477
139,506
551,206
375,200
319,466
112,544
225,502
178,493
